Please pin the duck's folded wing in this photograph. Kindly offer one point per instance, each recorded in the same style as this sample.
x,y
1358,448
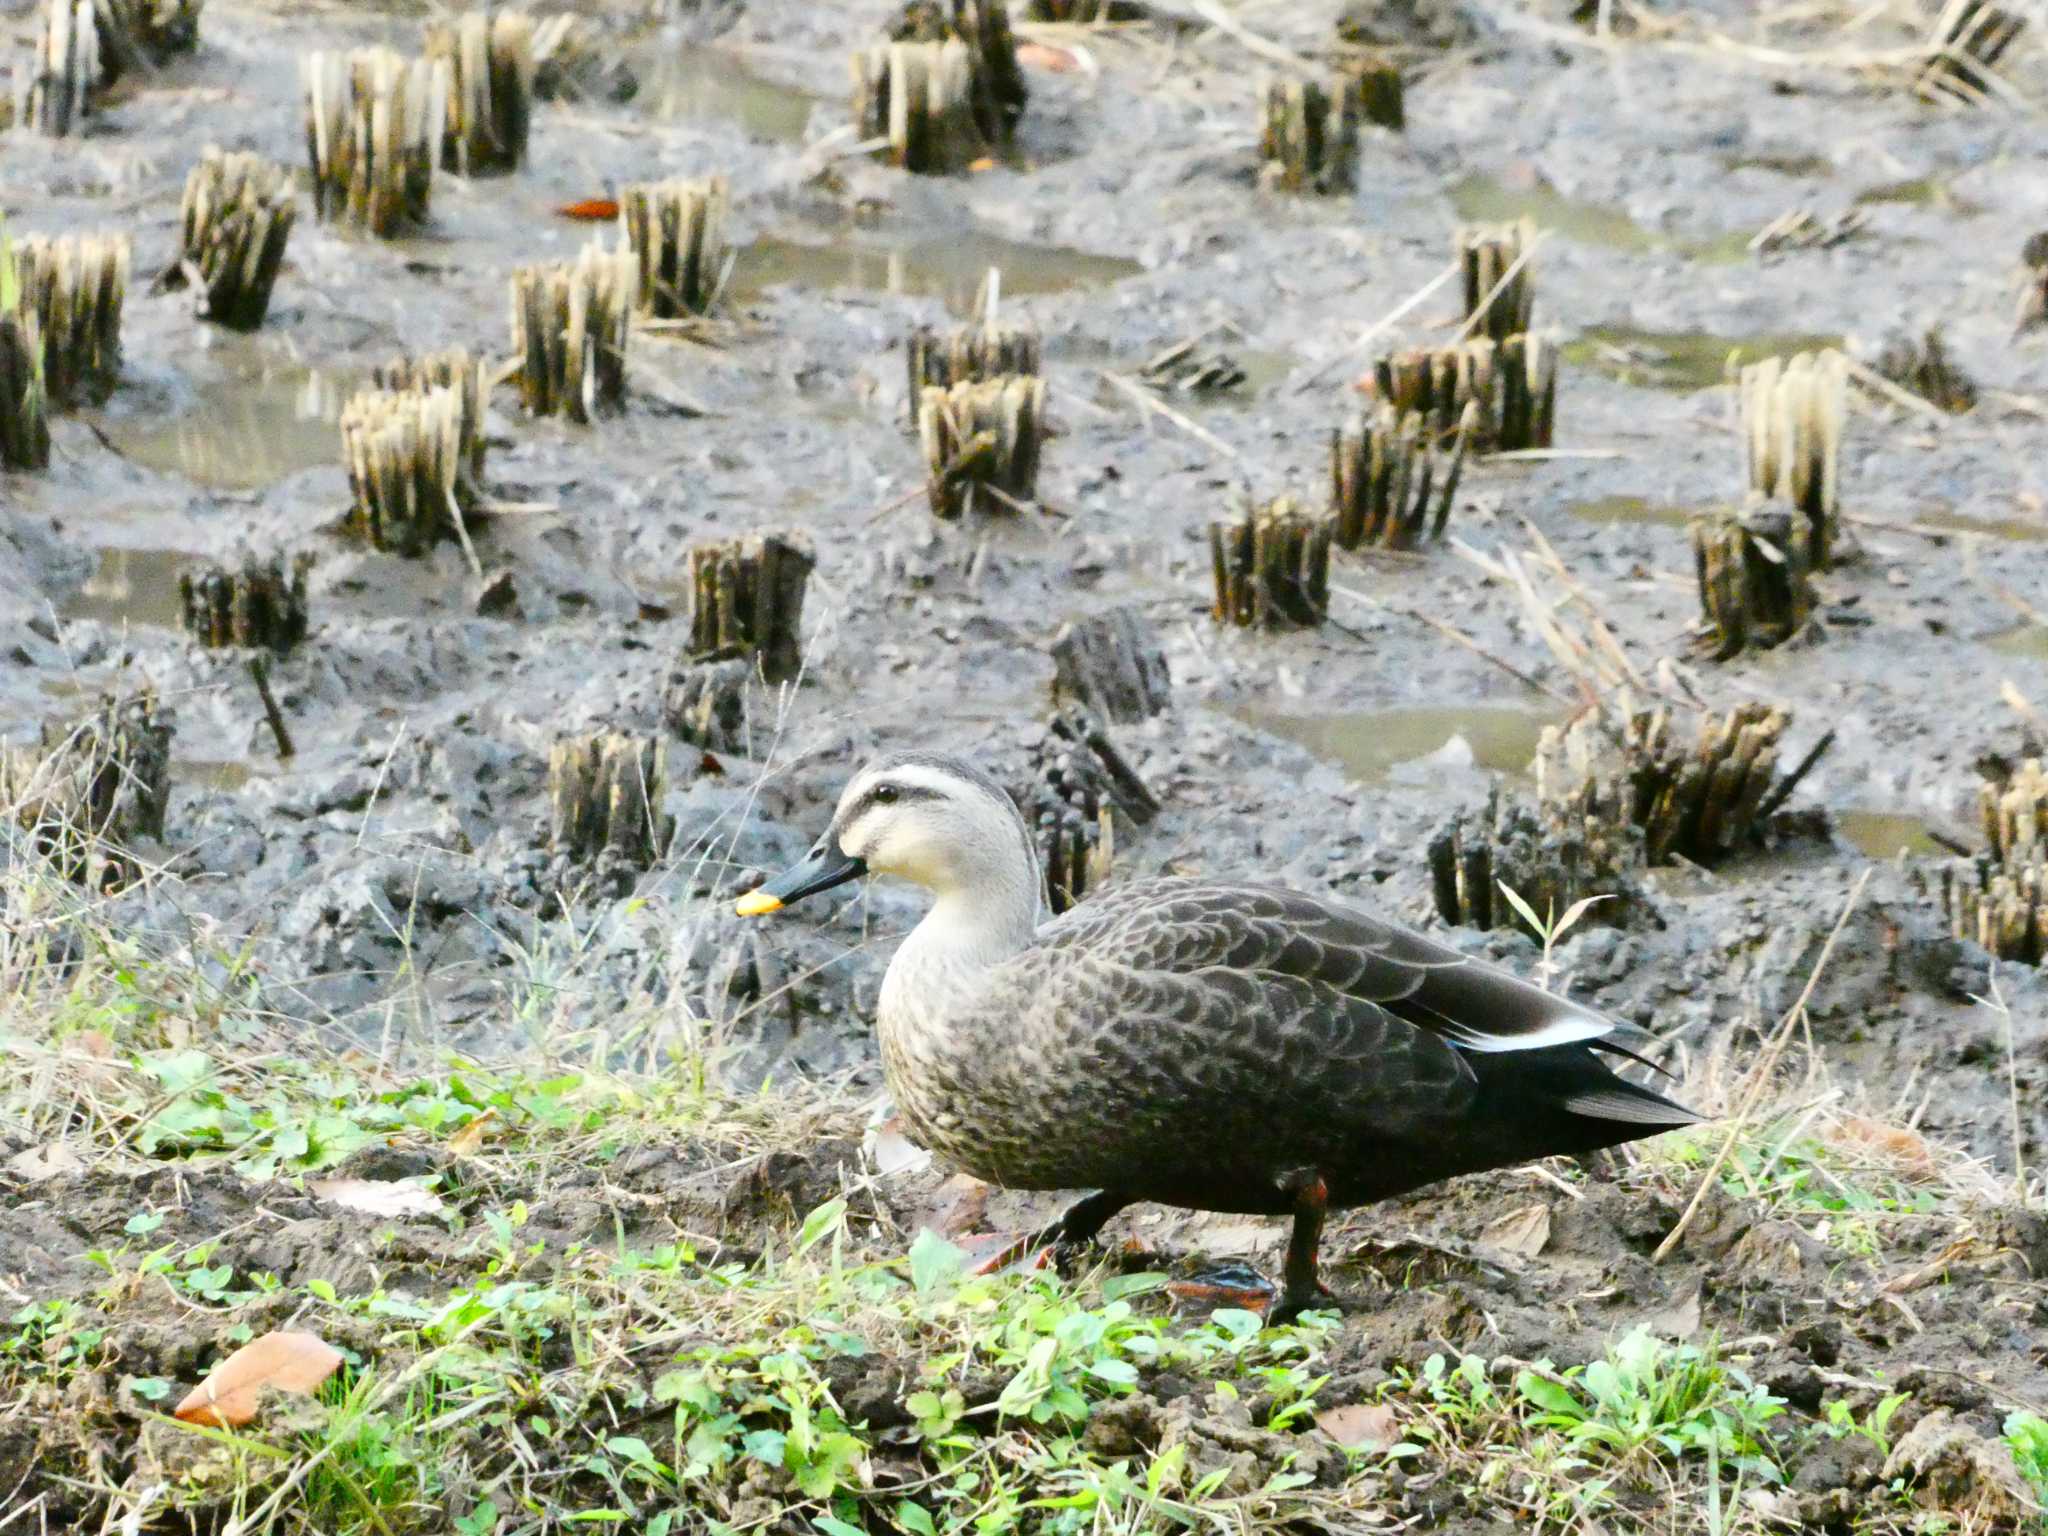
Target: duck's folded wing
x,y
1243,1049
1185,926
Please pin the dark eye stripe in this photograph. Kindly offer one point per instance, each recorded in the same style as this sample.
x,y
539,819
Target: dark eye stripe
x,y
904,794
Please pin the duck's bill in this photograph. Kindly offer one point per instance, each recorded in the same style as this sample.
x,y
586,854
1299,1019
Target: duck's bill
x,y
822,868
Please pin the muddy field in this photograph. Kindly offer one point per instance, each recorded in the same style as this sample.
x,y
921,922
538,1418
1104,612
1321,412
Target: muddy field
x,y
392,898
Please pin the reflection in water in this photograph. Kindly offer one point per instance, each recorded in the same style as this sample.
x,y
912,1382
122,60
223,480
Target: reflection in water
x,y
949,266
229,776
1372,745
681,81
1633,509
135,586
2021,528
1486,199
1681,360
1886,834
2030,640
244,430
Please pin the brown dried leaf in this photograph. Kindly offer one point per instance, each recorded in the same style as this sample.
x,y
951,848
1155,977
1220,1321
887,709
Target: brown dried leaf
x,y
1057,60
289,1362
1522,1232
1361,1426
45,1162
466,1141
379,1197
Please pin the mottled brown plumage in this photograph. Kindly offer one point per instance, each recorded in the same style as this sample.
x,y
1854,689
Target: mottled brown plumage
x,y
1205,1044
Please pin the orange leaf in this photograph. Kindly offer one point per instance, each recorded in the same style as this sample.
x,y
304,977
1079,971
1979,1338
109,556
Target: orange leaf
x,y
985,163
592,208
471,1136
1060,61
290,1362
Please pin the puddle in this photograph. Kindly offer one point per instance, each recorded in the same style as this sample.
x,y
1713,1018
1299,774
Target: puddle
x,y
678,81
228,776
1781,164
1479,198
1887,834
1920,192
1679,360
2028,640
134,586
926,264
2026,530
249,424
1633,509
1403,744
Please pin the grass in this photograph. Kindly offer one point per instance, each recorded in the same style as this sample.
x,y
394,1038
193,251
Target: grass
x,y
511,1371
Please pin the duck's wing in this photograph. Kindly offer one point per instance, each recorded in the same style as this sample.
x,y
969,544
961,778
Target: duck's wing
x,y
1180,926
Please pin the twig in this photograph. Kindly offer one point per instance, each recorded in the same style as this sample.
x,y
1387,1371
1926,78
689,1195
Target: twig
x,y
1782,790
1878,384
1452,632
1186,423
1760,1075
1265,48
1385,322
259,669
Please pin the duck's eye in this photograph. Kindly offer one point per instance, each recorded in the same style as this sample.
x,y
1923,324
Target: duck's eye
x,y
885,794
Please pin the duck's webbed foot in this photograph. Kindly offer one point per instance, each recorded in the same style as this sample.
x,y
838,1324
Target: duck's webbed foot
x,y
1080,1225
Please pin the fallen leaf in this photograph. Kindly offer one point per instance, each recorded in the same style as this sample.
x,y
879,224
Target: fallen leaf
x,y
1059,61
894,1152
1522,1232
92,1043
593,209
1361,1426
985,163
380,1197
45,1162
962,1204
1906,1150
467,1140
290,1362
1680,1320
988,1252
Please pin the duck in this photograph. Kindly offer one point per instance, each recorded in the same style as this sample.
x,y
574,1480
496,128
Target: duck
x,y
1208,1044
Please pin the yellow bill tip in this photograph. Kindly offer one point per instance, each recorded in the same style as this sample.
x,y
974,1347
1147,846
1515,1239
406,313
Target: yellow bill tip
x,y
756,904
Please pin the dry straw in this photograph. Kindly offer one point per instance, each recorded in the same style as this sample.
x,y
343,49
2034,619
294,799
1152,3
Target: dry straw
x,y
570,322
676,229
237,217
407,459
1390,488
748,602
489,60
981,444
373,130
66,68
1272,568
1792,418
75,286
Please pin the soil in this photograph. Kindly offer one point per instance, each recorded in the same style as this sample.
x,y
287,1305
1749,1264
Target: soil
x,y
1131,216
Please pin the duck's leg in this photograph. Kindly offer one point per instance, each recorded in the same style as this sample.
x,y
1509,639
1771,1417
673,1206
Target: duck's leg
x,y
1301,1288
1081,1223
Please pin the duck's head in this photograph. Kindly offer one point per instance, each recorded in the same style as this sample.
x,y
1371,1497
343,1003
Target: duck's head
x,y
937,821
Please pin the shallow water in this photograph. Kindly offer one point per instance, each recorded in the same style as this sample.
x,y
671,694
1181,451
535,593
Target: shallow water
x,y
1680,360
1886,834
1486,199
133,586
1374,746
679,82
921,263
254,417
1633,509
